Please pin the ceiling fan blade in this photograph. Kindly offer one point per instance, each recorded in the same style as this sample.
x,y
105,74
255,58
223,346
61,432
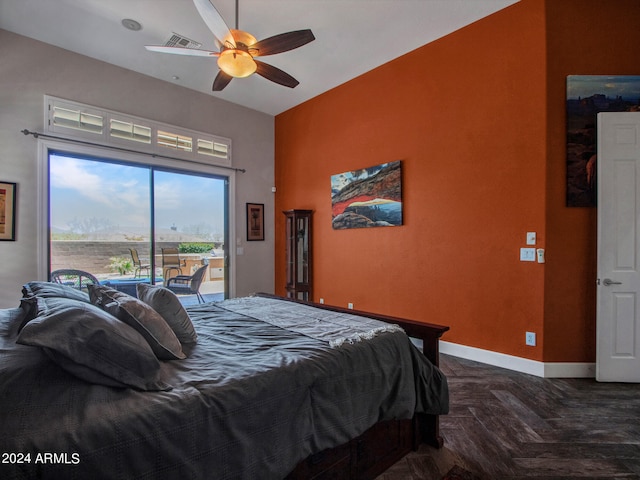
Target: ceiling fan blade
x,y
275,75
215,22
282,43
221,81
193,52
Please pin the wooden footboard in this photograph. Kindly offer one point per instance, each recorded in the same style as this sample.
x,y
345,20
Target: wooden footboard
x,y
386,442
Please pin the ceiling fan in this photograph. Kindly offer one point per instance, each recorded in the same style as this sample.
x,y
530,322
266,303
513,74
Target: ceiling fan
x,y
238,49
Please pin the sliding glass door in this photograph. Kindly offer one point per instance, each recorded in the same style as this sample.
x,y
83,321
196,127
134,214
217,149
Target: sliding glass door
x,y
115,219
189,217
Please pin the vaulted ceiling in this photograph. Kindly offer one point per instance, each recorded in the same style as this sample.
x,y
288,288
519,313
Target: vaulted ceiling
x,y
352,37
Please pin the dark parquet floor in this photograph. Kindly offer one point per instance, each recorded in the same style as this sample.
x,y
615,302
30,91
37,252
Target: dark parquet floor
x,y
505,425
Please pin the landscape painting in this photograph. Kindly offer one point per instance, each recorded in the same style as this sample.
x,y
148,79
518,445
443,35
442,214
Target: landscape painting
x,y
588,95
369,197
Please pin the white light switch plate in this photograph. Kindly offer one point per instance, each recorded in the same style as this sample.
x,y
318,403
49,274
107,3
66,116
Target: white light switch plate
x,y
531,238
527,254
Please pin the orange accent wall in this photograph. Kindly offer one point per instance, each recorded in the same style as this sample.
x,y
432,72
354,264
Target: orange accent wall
x,y
583,38
477,120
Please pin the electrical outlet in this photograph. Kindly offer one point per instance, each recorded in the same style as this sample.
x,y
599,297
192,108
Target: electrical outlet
x,y
322,300
530,339
350,306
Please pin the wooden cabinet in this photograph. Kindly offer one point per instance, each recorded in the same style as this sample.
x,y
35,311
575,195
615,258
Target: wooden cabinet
x,y
299,254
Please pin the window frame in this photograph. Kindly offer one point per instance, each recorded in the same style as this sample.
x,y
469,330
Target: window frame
x,y
104,137
47,146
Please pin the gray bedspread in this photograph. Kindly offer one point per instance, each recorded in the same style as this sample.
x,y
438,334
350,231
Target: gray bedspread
x,y
251,401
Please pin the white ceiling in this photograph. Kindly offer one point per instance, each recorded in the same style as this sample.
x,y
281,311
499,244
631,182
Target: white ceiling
x,y
352,37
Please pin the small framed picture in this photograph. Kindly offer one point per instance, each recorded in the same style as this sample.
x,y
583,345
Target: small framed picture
x,y
255,221
7,211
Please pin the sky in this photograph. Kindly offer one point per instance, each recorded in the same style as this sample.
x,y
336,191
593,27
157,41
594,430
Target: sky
x,y
628,86
118,195
340,180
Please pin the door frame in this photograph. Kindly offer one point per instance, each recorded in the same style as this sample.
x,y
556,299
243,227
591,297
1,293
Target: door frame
x,y
45,146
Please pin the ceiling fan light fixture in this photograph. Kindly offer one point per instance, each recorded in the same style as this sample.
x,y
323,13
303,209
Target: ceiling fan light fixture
x,y
237,63
243,37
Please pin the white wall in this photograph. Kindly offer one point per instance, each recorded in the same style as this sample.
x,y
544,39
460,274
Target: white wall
x,y
30,69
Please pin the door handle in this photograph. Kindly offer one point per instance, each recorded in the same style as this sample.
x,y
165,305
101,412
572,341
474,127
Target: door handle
x,y
608,282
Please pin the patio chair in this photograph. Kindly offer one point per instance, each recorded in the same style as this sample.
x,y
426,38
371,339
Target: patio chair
x,y
171,261
139,266
188,284
77,279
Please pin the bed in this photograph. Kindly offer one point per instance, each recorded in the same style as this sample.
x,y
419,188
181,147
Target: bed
x,y
256,387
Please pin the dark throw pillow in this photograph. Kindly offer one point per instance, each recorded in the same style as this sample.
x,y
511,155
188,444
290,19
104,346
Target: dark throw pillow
x,y
144,319
167,304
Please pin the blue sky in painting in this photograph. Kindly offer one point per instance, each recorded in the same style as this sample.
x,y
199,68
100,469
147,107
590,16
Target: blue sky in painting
x,y
340,180
627,86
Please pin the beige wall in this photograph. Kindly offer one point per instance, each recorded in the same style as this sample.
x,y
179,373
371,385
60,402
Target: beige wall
x,y
30,69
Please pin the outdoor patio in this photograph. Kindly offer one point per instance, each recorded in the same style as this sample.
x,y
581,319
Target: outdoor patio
x,y
212,291
95,257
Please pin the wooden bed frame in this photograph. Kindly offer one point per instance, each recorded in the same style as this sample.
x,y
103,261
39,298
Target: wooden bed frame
x,y
377,449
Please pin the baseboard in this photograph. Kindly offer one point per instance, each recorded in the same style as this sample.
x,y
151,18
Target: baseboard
x,y
519,364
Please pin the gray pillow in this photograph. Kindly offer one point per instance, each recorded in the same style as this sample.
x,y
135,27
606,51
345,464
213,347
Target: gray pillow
x,y
93,345
81,371
166,303
144,319
53,290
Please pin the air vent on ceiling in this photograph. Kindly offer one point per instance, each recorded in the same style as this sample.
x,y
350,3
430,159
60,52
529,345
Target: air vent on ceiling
x,y
178,40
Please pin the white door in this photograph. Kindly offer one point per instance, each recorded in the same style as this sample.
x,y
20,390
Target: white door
x,y
618,302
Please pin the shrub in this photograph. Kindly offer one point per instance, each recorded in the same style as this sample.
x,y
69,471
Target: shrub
x,y
195,247
121,265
